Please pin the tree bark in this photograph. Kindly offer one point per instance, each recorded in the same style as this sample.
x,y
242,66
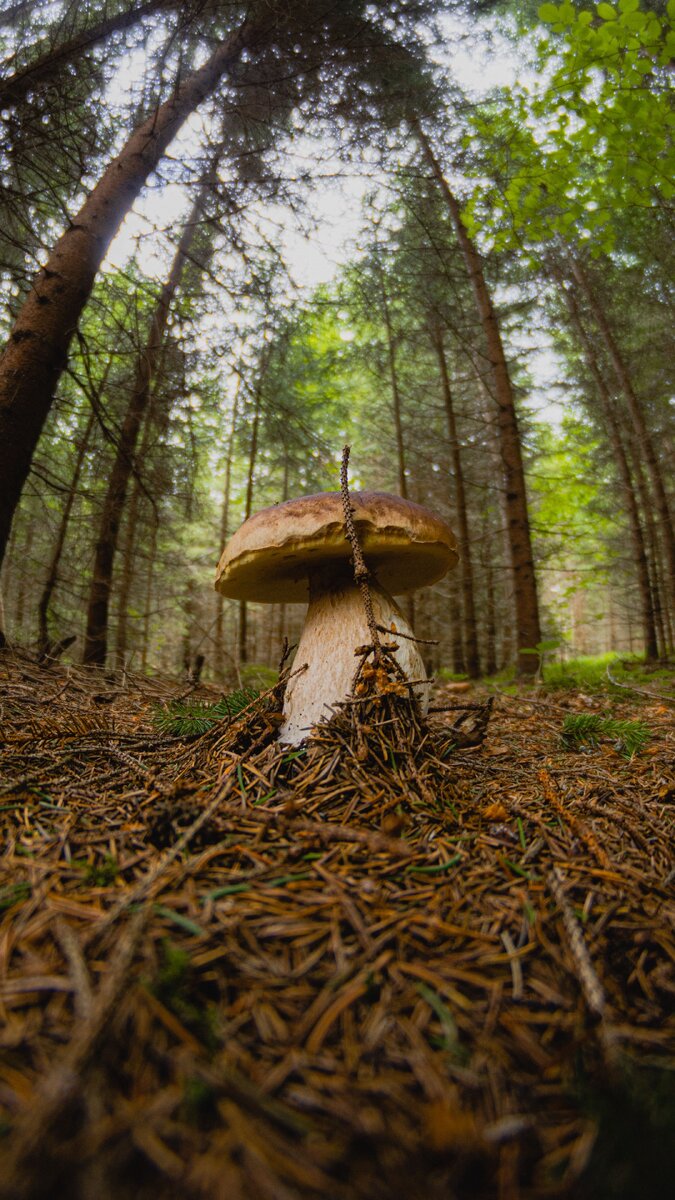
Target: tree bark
x,y
127,577
621,461
637,417
248,508
53,570
219,649
520,543
466,565
37,350
149,576
395,392
96,637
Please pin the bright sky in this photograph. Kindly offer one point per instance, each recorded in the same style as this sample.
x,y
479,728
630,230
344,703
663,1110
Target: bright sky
x,y
336,206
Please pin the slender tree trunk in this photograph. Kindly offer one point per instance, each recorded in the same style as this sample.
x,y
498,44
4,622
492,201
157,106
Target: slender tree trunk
x,y
225,529
54,563
520,543
637,417
466,565
149,577
395,391
456,623
23,571
490,613
655,565
621,461
248,509
127,577
96,637
37,350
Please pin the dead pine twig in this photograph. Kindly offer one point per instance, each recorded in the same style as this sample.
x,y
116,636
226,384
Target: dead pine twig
x,y
361,572
591,986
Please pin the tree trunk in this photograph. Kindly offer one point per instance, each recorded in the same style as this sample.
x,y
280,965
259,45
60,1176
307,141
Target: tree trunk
x,y
53,570
520,543
23,569
219,654
96,637
127,577
455,617
490,610
637,417
395,392
621,461
37,350
248,509
149,576
466,565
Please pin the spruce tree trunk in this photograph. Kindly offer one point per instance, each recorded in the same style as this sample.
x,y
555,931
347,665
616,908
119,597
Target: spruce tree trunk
x,y
127,577
54,563
621,461
219,653
37,350
149,593
96,637
644,438
466,565
490,612
248,508
395,391
528,631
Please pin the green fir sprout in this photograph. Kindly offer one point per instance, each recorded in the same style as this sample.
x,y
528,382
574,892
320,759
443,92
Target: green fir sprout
x,y
189,718
584,730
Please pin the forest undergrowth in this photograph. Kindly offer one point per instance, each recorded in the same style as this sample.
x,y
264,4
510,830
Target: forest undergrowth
x,y
406,959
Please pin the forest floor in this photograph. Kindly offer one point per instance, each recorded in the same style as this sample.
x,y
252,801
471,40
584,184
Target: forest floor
x,y
387,964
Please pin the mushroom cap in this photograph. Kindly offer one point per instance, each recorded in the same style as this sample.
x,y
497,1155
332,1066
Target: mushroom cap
x,y
272,554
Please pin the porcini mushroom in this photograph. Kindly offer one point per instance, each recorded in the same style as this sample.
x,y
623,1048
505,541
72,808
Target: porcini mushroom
x,y
297,551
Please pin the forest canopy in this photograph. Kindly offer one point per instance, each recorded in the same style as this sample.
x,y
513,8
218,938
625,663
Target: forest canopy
x,y
234,237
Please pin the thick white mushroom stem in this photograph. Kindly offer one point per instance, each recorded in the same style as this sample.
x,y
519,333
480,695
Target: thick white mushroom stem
x,y
335,625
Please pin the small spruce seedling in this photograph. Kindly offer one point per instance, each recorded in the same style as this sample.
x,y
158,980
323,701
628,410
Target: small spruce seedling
x,y
189,718
584,730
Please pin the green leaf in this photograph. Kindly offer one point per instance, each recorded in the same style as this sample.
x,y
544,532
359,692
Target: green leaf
x,y
628,6
607,12
548,13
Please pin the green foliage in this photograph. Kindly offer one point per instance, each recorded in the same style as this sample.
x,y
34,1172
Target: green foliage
x,y
584,730
586,673
189,718
590,138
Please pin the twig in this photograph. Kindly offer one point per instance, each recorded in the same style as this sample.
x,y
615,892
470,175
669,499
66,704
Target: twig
x,y
628,687
590,984
410,637
361,572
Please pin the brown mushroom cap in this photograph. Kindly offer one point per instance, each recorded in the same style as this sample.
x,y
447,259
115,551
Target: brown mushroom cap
x,y
272,554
